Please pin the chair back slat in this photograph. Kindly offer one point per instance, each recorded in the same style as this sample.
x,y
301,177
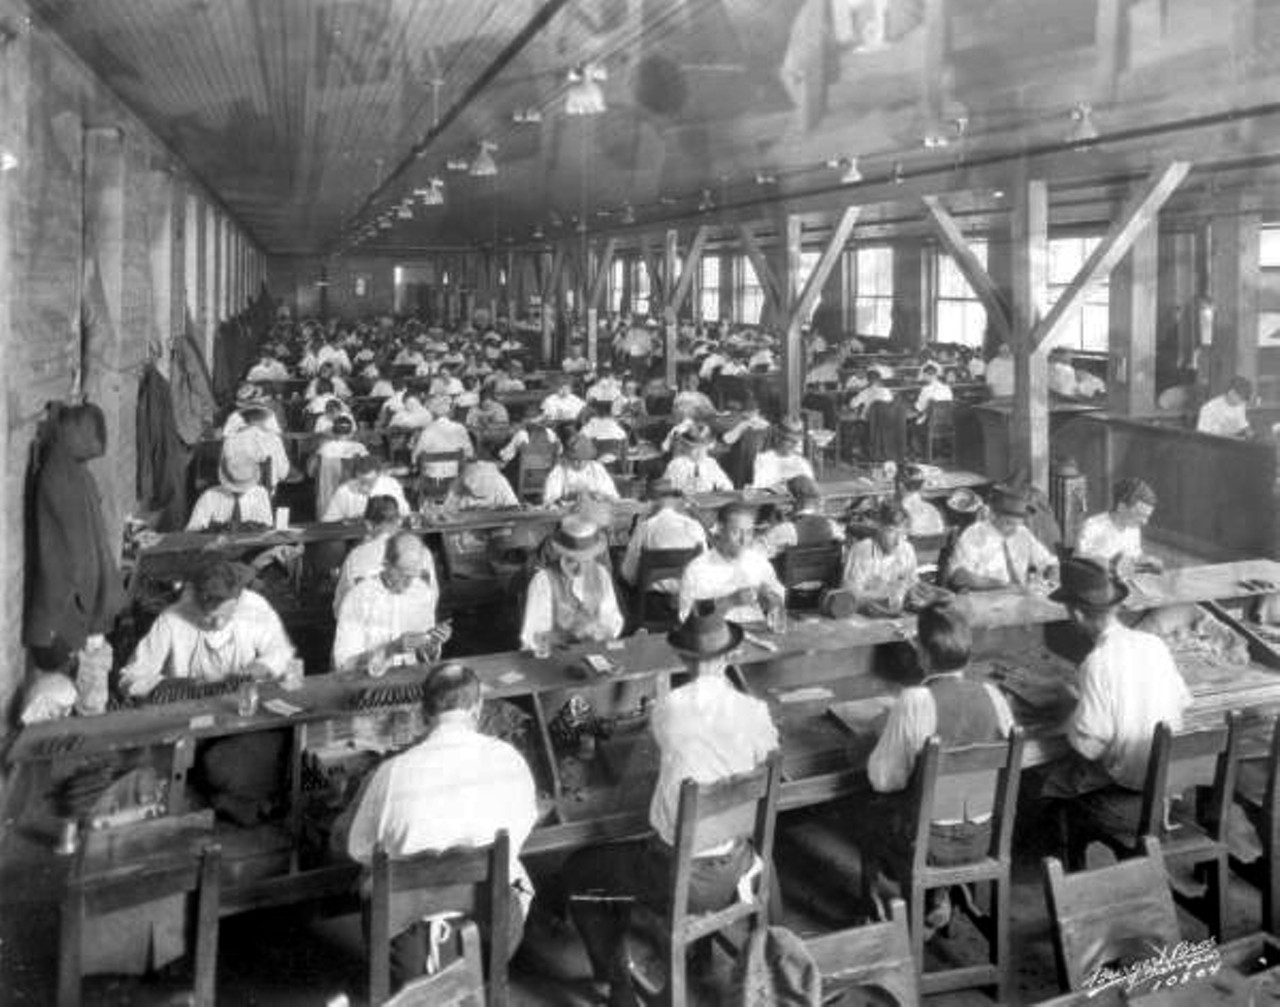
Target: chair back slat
x,y
1105,916
458,984
875,957
802,564
1181,759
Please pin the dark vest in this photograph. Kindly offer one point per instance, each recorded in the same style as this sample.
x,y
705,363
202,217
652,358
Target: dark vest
x,y
966,716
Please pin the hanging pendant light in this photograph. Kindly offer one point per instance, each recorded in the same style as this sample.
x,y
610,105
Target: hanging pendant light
x,y
433,194
585,96
1083,131
484,166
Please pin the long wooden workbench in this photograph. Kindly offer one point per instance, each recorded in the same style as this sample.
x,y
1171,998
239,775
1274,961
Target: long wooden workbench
x,y
801,673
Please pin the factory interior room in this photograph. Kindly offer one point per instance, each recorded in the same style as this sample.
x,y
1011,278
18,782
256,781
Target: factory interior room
x,y
553,503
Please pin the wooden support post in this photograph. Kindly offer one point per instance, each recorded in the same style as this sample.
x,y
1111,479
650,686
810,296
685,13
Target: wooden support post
x,y
1029,435
550,303
793,349
1234,278
979,280
1131,386
657,282
670,251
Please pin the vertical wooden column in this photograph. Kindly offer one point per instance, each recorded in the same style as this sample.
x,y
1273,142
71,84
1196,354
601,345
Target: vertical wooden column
x,y
1131,386
792,344
1029,434
670,252
105,361
209,270
1234,275
908,294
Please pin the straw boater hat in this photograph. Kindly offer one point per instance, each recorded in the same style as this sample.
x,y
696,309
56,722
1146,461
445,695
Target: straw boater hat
x,y
238,472
705,634
1088,584
964,501
577,537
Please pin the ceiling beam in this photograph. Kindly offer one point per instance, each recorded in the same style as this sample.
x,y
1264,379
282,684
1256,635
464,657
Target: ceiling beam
x,y
1138,214
953,242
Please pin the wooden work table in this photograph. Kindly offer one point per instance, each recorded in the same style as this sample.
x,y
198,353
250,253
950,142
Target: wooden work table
x,y
800,673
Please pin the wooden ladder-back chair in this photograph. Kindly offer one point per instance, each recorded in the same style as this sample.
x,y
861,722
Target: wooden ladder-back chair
x,y
875,957
486,868
1105,916
1258,792
458,984
655,566
1200,840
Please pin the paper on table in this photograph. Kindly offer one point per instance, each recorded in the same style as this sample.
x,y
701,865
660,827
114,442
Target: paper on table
x,y
281,707
510,677
807,694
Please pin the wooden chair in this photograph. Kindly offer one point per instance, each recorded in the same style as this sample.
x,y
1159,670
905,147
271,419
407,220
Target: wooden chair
x,y
1196,839
657,565
1258,792
458,984
435,487
940,432
680,928
1105,916
799,565
88,896
486,867
876,957
968,769
532,468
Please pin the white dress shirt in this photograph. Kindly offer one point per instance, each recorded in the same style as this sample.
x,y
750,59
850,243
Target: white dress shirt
x,y
562,408
1220,417
713,576
592,589
706,731
874,575
456,788
934,391
913,720
1000,376
591,478
668,528
1128,684
984,552
774,470
1102,539
217,504
372,616
175,647
349,501
701,475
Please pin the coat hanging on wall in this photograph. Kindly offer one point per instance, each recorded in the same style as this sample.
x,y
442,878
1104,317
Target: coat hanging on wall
x,y
162,458
193,405
75,585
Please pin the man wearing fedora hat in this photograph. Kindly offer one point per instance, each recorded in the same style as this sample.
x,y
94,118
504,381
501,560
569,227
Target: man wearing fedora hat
x,y
668,527
1129,683
572,598
579,474
784,462
705,731
237,500
1000,552
693,470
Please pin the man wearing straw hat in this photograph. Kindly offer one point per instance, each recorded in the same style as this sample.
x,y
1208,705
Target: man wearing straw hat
x,y
237,500
705,731
572,598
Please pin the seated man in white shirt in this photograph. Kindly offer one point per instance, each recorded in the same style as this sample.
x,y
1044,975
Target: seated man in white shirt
x,y
382,520
457,787
1000,551
959,712
238,500
880,570
388,620
691,403
571,599
349,500
1128,684
668,527
999,373
576,362
705,730
217,629
693,470
735,574
775,467
578,474
562,406
933,390
1114,537
479,486
443,435
1227,415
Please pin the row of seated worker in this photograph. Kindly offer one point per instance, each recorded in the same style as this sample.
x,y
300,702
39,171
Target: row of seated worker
x,y
221,628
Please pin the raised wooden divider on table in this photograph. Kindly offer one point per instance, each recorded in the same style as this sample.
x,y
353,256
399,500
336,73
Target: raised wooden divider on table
x,y
803,673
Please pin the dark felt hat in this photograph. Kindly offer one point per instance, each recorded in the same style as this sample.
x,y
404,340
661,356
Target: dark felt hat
x,y
705,634
1086,583
1007,500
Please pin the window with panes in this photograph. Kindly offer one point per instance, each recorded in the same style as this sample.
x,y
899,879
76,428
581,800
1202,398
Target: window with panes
x,y
709,288
1089,326
748,293
871,270
958,315
617,284
639,287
